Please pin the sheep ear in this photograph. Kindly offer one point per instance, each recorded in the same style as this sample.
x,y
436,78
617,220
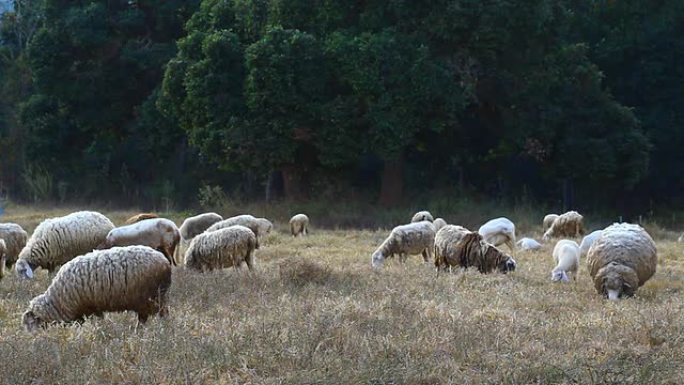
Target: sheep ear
x,y
28,272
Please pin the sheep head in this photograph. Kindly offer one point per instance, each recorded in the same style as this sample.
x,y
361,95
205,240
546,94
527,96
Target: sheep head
x,y
24,269
616,280
31,321
559,276
377,259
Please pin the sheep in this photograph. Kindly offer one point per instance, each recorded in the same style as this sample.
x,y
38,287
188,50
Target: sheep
x,y
259,226
439,223
621,260
548,221
588,241
158,233
3,257
299,225
140,217
15,239
193,226
566,225
499,231
58,240
528,244
413,238
135,278
225,247
456,246
566,253
422,216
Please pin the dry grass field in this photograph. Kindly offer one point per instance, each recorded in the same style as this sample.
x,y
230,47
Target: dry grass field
x,y
313,312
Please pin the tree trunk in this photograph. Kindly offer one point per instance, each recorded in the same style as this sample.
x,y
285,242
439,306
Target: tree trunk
x,y
392,188
292,182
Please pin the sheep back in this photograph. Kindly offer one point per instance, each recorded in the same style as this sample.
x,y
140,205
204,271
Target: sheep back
x,y
299,224
225,247
255,224
158,233
135,278
15,239
569,224
193,226
140,217
498,231
422,216
439,223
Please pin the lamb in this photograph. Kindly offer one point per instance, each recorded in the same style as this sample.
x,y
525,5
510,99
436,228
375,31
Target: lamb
x,y
259,226
528,244
439,223
621,260
15,239
566,253
193,226
548,221
588,241
299,225
413,238
135,278
566,225
58,240
422,216
499,231
3,257
140,217
158,233
456,246
225,247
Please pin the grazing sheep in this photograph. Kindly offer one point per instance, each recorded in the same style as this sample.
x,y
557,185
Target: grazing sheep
x,y
422,216
135,278
439,223
528,244
569,224
621,260
299,224
259,226
499,231
566,253
140,217
15,239
225,247
193,226
158,233
459,247
58,240
414,238
548,221
588,241
3,257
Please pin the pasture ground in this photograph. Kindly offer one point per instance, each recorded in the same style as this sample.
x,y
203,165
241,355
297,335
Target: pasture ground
x,y
313,312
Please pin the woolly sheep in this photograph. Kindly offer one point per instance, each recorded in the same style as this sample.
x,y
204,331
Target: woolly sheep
x,y
499,231
140,217
3,257
225,247
439,223
158,233
588,241
422,216
58,240
528,244
193,226
299,225
569,224
259,226
548,221
413,238
566,254
621,260
135,278
456,246
15,239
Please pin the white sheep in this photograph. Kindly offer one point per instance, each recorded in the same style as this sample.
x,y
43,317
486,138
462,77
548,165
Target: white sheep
x,y
299,225
422,216
3,257
225,247
456,246
499,231
566,254
135,278
158,233
193,226
621,260
413,238
548,221
439,223
587,241
528,244
259,226
569,224
58,240
15,239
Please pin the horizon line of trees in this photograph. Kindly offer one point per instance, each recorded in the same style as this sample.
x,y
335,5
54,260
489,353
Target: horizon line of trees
x,y
143,101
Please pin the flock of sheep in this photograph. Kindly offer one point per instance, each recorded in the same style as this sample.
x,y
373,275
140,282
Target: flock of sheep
x,y
103,268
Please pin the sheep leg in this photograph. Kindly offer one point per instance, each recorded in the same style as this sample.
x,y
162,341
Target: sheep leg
x,y
249,260
142,318
425,255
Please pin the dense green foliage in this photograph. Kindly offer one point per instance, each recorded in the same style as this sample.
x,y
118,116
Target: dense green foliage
x,y
551,101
